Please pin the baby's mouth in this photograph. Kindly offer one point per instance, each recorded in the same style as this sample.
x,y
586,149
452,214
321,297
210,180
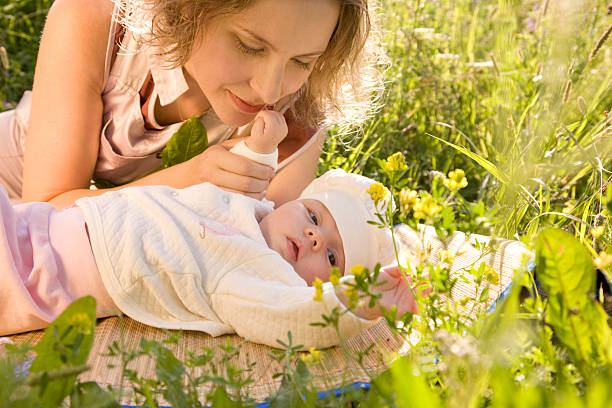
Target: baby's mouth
x,y
293,249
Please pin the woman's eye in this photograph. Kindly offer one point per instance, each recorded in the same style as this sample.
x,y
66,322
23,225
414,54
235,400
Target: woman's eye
x,y
303,65
331,257
246,49
313,218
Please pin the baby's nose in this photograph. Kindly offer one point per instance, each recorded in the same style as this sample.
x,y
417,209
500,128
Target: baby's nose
x,y
315,239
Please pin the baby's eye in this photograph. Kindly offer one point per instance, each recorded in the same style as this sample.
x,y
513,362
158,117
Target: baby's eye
x,y
331,257
313,218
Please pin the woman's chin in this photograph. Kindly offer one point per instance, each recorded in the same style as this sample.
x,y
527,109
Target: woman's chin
x,y
233,117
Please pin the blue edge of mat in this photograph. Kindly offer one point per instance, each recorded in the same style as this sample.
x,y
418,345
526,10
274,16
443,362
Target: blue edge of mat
x,y
357,385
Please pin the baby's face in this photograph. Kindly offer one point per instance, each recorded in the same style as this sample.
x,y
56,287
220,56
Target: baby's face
x,y
305,234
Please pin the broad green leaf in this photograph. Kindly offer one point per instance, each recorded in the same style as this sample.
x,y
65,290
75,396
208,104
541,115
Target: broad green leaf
x,y
405,385
104,184
189,141
507,393
566,272
65,344
564,266
412,389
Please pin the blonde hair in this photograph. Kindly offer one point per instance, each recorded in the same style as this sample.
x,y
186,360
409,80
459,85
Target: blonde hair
x,y
345,85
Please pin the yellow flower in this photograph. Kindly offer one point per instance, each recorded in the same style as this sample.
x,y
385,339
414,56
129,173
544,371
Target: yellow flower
x,y
334,276
603,260
491,275
312,357
358,271
426,207
377,192
352,297
318,285
82,321
446,256
315,354
456,180
407,199
598,232
396,162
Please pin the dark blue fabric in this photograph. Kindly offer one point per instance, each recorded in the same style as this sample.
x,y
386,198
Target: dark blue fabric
x,y
506,292
357,385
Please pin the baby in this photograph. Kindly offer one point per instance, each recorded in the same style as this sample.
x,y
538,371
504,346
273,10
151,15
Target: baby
x,y
200,258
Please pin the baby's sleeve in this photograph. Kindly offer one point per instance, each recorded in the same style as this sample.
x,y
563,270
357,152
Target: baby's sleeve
x,y
269,159
265,311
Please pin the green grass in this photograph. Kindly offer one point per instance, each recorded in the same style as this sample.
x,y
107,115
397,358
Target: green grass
x,y
490,76
517,94
21,23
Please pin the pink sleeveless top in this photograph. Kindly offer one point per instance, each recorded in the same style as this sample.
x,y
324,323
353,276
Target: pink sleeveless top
x,y
129,147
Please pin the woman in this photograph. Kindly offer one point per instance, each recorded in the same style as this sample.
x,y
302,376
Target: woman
x,y
115,80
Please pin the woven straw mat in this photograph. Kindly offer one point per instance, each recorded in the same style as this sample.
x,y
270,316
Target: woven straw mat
x,y
335,369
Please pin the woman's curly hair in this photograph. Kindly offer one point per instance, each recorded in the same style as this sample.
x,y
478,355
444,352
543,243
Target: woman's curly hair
x,y
345,85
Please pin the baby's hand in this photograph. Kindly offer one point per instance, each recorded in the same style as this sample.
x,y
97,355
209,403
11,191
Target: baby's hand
x,y
268,131
395,290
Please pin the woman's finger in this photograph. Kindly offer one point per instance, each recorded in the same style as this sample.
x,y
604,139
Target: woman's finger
x,y
240,165
233,172
239,183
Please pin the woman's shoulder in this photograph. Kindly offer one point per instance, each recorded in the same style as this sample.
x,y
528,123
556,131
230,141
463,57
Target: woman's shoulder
x,y
75,39
86,11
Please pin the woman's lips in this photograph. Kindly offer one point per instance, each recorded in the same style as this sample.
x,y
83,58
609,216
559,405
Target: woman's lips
x,y
245,106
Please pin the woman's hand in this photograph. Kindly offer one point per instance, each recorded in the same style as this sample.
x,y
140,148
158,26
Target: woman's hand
x,y
229,171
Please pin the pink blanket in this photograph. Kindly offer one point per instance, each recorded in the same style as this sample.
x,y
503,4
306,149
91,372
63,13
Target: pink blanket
x,y
45,263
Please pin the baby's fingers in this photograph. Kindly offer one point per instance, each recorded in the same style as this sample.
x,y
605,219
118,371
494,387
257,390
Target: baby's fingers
x,y
258,127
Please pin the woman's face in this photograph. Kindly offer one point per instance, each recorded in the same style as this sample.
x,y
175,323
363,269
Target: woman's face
x,y
256,57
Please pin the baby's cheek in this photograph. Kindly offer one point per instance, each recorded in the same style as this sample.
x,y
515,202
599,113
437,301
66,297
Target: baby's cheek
x,y
304,272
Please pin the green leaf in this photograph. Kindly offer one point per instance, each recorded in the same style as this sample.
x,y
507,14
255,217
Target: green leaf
x,y
406,383
91,395
564,266
189,141
566,272
104,184
76,325
487,165
448,219
170,372
221,399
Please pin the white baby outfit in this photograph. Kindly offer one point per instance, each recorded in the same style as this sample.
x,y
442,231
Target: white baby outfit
x,y
196,259
191,259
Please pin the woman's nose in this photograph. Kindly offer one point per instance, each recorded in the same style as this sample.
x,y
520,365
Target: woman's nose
x,y
268,83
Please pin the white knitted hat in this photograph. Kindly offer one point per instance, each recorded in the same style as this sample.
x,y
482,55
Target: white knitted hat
x,y
344,194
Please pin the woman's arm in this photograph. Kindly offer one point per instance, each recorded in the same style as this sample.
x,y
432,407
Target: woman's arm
x,y
66,113
291,180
